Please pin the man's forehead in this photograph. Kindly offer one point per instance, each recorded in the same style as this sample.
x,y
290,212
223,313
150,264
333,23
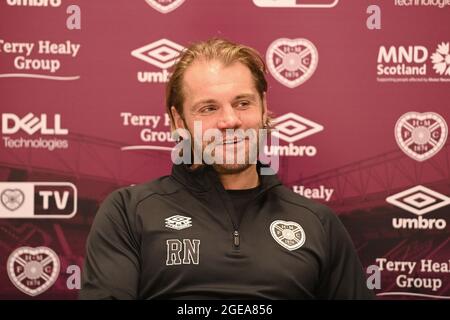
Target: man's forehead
x,y
213,76
202,69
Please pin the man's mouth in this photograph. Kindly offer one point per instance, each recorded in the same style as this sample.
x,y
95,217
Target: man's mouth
x,y
233,141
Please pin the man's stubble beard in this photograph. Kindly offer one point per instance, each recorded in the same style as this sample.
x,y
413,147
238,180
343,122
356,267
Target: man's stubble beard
x,y
234,168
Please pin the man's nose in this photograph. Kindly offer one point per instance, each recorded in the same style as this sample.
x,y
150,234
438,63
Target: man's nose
x,y
229,118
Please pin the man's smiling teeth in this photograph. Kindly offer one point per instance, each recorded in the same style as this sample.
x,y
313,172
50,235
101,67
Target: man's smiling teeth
x,y
236,140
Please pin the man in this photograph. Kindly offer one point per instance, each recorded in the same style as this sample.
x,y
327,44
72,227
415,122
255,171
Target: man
x,y
222,230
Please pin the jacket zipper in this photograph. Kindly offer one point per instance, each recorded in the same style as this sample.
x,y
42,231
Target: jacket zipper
x,y
236,235
236,240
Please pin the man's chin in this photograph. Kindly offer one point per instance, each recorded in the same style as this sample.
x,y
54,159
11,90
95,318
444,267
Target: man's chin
x,y
230,168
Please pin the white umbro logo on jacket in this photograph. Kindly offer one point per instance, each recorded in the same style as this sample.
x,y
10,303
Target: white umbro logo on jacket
x,y
178,222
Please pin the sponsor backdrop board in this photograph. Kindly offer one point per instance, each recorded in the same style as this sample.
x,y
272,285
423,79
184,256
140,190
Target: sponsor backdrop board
x,y
359,90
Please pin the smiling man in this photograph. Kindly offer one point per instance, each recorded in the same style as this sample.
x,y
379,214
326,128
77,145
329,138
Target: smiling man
x,y
221,230
220,97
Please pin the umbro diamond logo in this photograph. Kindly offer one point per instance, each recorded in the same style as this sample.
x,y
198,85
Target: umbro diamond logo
x,y
178,222
292,127
162,53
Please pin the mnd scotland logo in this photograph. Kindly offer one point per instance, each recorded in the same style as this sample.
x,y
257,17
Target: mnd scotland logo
x,y
414,63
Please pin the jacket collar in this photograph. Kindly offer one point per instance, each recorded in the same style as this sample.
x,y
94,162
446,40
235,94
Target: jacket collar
x,y
204,178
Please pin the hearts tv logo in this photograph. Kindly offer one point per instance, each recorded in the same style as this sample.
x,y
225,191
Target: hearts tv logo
x,y
12,199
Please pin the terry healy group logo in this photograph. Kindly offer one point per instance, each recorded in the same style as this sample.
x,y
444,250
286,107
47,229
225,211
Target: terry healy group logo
x,y
41,59
37,200
318,193
316,4
421,135
414,63
419,279
14,126
154,131
292,61
290,128
419,200
162,54
33,270
165,6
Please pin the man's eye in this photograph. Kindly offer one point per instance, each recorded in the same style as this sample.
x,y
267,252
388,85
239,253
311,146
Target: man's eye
x,y
243,104
207,109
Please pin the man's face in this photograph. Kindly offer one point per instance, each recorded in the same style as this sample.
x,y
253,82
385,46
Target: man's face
x,y
222,97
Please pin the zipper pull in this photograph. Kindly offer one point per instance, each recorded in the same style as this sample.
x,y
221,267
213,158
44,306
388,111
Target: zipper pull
x,y
236,240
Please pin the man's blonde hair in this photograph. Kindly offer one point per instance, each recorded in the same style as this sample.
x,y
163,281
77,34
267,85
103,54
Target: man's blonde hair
x,y
222,50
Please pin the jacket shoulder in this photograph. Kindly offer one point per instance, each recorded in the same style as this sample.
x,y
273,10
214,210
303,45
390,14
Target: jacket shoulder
x,y
136,193
126,199
321,211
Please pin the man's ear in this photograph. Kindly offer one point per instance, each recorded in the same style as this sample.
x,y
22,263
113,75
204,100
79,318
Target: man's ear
x,y
264,109
178,122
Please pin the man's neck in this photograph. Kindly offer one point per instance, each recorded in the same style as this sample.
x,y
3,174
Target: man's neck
x,y
245,179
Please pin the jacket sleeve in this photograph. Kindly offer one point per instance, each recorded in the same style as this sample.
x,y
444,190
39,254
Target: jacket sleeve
x,y
344,277
111,266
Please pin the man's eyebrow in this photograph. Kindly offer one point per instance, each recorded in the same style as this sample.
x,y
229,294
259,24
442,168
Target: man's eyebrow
x,y
249,96
205,101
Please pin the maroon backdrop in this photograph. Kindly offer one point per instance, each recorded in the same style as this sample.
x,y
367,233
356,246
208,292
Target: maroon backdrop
x,y
361,114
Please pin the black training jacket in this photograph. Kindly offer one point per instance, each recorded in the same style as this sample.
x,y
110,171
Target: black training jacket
x,y
173,238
